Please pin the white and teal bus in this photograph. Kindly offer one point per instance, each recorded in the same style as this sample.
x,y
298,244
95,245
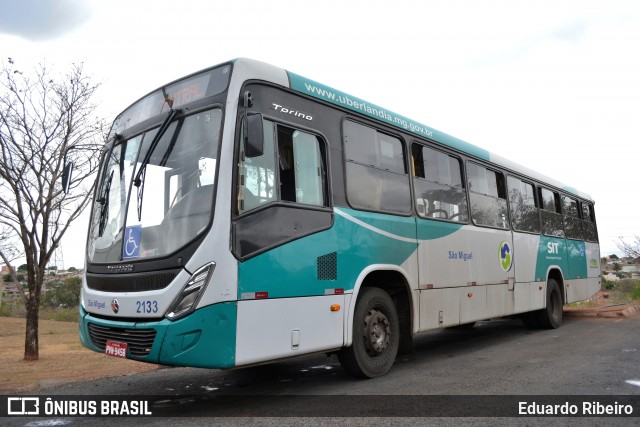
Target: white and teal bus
x,y
246,214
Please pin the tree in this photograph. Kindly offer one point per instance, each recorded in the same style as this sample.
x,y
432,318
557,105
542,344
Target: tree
x,y
632,250
41,116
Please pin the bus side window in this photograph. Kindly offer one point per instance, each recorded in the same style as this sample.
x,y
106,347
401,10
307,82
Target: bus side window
x,y
551,213
302,176
589,222
257,174
572,223
438,185
376,175
525,215
488,196
291,169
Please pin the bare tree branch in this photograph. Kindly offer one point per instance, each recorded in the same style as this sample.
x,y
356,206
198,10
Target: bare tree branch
x,y
40,117
632,250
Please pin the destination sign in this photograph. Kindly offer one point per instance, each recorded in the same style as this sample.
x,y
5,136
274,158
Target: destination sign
x,y
174,96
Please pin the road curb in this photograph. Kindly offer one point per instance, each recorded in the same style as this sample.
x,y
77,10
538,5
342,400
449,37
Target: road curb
x,y
613,311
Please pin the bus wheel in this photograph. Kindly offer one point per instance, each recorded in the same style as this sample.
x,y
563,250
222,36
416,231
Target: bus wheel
x,y
376,336
550,317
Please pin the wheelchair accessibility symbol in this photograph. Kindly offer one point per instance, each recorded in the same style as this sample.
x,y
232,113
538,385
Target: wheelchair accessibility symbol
x,y
131,247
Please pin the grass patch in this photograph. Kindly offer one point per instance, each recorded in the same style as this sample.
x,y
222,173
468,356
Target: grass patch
x,y
60,314
62,358
15,309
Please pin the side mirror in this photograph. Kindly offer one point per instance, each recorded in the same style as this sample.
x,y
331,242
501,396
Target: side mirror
x,y
253,135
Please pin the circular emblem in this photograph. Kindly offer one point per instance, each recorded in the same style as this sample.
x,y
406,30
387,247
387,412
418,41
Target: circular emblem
x,y
115,307
504,254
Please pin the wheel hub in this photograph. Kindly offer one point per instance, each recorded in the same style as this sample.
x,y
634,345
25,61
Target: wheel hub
x,y
377,332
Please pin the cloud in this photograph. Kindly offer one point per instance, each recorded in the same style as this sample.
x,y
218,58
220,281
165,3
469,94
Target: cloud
x,y
572,32
38,20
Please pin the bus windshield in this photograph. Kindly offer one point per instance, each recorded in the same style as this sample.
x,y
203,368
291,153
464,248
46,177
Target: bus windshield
x,y
175,202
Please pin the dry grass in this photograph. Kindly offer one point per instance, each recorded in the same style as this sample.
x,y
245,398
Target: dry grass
x,y
62,358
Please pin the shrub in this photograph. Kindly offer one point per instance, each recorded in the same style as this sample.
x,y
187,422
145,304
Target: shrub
x,y
635,294
608,284
62,293
627,285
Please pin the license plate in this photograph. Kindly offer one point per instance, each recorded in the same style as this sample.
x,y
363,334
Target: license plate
x,y
116,349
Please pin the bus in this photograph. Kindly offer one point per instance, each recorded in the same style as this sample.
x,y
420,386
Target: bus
x,y
245,214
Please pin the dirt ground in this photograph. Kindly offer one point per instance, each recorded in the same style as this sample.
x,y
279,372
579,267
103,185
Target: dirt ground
x,y
62,358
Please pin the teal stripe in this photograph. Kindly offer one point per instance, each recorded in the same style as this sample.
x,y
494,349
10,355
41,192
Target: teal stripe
x,y
404,227
336,97
572,191
431,230
291,270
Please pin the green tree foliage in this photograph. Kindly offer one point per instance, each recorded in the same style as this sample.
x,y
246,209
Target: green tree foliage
x,y
62,293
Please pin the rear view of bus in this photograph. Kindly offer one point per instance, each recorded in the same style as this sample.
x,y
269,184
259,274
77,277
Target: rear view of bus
x,y
244,214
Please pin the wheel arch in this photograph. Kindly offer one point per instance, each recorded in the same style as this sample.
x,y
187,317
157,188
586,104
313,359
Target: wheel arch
x,y
555,273
393,280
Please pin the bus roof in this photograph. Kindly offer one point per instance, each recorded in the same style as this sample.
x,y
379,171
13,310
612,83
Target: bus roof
x,y
318,90
252,69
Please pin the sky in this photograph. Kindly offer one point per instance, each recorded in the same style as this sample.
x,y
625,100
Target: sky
x,y
551,84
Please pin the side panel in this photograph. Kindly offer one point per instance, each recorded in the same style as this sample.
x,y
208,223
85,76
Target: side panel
x,y
464,272
473,304
439,308
297,282
452,255
552,253
588,263
526,252
356,240
593,259
576,259
277,328
528,296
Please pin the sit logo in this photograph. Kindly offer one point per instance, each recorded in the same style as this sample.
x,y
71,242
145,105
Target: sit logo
x,y
552,247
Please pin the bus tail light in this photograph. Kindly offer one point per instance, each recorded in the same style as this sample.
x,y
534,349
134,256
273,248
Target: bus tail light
x,y
190,295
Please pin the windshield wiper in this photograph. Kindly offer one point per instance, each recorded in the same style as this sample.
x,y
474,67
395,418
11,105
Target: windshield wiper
x,y
138,181
104,209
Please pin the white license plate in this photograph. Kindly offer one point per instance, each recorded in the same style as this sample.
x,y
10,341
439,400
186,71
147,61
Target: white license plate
x,y
116,349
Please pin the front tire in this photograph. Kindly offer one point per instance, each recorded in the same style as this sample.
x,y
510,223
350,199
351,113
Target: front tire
x,y
550,317
376,336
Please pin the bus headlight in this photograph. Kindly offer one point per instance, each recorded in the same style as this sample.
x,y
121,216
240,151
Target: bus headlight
x,y
190,295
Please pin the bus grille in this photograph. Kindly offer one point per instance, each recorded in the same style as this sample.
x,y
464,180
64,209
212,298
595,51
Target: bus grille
x,y
138,282
139,341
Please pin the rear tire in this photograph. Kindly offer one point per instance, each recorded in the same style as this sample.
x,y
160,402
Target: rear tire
x,y
376,336
550,317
